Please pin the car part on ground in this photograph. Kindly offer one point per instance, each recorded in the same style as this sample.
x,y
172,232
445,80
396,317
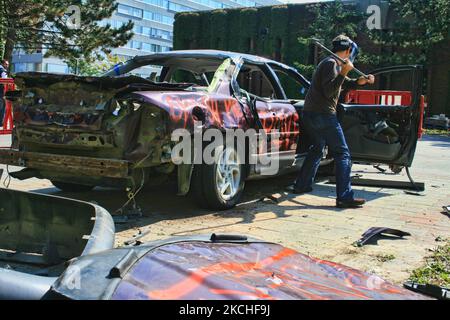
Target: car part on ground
x,y
380,168
446,211
390,184
429,290
219,268
376,232
57,248
39,234
412,193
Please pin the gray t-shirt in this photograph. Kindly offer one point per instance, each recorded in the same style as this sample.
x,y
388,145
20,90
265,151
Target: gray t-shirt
x,y
326,87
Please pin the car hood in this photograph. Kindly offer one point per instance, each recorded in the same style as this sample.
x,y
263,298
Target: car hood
x,y
218,271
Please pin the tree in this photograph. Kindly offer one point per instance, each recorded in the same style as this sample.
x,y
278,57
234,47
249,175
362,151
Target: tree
x,y
419,25
330,20
43,24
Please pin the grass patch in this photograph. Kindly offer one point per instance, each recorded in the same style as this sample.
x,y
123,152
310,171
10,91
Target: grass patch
x,y
437,269
385,257
436,132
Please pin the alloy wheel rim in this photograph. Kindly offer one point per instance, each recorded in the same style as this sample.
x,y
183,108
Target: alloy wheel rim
x,y
228,174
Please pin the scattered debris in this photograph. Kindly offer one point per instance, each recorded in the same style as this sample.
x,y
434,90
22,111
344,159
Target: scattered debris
x,y
380,169
373,233
385,257
135,240
429,290
412,193
130,210
271,198
446,211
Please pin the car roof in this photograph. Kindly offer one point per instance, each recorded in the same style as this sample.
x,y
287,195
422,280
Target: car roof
x,y
205,54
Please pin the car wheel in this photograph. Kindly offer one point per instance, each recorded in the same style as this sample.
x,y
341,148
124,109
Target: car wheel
x,y
222,183
71,187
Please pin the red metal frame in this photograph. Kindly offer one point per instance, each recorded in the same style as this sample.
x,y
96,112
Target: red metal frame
x,y
385,97
7,127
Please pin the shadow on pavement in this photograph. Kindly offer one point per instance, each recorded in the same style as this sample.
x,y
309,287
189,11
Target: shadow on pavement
x,y
438,141
161,203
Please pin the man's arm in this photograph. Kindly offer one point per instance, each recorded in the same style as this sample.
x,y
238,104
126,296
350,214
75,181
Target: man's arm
x,y
350,84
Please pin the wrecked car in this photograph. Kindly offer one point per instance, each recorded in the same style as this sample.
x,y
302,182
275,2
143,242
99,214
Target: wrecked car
x,y
58,248
115,130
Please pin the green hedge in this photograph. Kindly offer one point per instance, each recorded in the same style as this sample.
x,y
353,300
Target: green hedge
x,y
271,32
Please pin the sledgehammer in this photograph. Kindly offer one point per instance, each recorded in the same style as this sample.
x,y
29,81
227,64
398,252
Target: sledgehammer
x,y
317,42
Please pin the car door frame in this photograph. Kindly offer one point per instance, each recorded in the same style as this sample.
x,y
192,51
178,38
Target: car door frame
x,y
285,157
407,151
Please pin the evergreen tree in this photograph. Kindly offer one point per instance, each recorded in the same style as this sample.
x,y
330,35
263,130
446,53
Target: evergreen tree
x,y
43,24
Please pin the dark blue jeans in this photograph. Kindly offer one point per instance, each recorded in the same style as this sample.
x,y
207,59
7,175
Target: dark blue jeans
x,y
325,129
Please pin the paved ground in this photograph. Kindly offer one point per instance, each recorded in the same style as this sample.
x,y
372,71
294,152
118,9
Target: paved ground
x,y
308,223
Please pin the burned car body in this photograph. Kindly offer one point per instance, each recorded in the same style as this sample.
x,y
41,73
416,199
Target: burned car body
x,y
116,130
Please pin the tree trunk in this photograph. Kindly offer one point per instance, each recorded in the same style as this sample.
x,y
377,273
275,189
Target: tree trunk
x,y
9,45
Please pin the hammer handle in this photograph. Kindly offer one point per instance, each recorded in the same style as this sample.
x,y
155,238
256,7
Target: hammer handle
x,y
340,59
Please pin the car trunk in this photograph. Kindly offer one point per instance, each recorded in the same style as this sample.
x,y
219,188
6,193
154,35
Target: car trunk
x,y
72,115
39,234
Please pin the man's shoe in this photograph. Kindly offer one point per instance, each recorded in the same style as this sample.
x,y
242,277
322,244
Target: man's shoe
x,y
350,204
293,190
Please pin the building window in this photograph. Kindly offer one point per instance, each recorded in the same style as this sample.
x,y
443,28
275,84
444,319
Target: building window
x,y
24,67
56,68
130,11
179,8
153,16
161,34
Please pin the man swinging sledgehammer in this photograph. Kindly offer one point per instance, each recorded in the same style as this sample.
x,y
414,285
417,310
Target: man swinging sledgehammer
x,y
322,125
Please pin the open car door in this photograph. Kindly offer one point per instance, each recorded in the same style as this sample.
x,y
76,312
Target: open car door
x,y
383,123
